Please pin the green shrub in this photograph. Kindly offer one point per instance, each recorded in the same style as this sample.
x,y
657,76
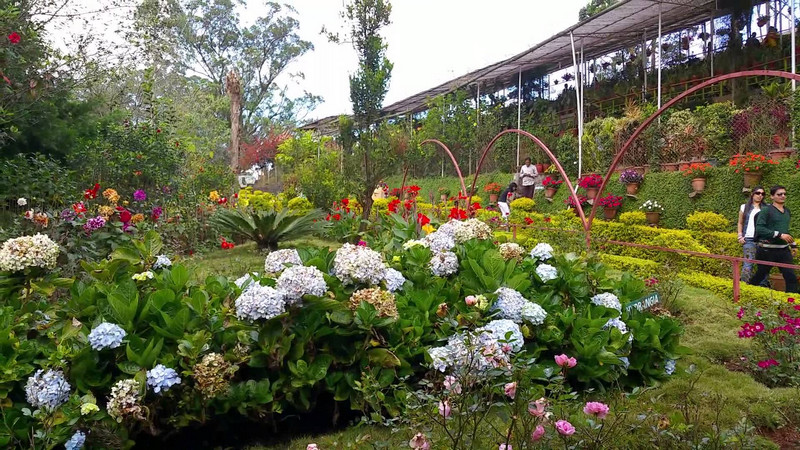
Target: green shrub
x,y
300,205
706,221
642,268
523,204
724,288
267,228
633,218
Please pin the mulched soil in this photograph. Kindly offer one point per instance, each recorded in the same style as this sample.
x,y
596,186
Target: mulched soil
x,y
788,438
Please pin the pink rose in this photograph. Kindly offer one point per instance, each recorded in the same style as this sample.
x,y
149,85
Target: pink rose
x,y
511,389
444,409
420,441
596,409
537,433
565,361
537,408
471,300
452,384
312,447
565,428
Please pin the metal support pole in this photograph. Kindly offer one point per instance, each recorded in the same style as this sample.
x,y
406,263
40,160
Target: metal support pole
x,y
659,56
519,111
711,37
794,45
578,104
644,65
477,124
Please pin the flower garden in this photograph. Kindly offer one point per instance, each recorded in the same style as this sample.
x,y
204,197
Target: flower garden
x,y
182,265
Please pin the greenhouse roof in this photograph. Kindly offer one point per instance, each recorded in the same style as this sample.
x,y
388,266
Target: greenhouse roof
x,y
619,26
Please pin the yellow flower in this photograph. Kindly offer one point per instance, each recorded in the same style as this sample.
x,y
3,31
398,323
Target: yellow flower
x,y
88,408
396,259
213,196
111,195
105,211
428,229
137,218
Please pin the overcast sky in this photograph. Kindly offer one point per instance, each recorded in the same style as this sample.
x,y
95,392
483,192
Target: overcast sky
x,y
430,42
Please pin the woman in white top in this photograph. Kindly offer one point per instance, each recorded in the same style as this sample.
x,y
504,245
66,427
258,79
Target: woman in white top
x,y
747,229
527,177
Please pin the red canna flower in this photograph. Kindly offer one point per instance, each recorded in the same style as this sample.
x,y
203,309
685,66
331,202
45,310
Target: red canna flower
x,y
423,219
14,38
337,217
528,220
457,213
79,208
345,201
91,193
392,206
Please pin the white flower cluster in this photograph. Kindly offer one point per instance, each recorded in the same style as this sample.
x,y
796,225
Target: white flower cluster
x,y
259,302
125,400
608,300
358,264
472,229
652,206
28,251
440,241
106,335
444,264
415,242
513,306
450,227
546,272
618,324
297,281
511,250
245,280
393,279
279,259
47,389
162,261
542,251
479,351
142,276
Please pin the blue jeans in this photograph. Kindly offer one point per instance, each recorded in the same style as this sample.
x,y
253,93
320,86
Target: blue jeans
x,y
749,249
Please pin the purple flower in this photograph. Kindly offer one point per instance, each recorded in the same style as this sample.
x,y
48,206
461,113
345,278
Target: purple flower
x,y
94,223
156,213
139,195
67,215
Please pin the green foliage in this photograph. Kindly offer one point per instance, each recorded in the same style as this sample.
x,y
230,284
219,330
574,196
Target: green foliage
x,y
633,218
755,295
594,7
523,204
705,221
314,163
300,205
642,268
267,228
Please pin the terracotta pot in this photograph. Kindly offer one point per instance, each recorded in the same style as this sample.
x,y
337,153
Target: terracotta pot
x,y
653,217
443,198
669,167
698,184
776,282
591,193
610,213
492,198
631,188
751,179
549,192
683,165
780,154
540,168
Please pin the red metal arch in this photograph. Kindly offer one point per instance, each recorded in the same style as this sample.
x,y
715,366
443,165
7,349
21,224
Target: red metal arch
x,y
649,120
552,158
452,158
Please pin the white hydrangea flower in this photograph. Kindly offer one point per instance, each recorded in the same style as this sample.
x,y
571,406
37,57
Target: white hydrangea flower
x,y
509,303
546,272
393,279
47,390
472,229
358,264
297,281
498,329
147,275
279,259
22,201
415,242
440,242
608,300
259,302
669,366
106,335
618,324
511,250
28,251
440,357
125,401
444,264
542,251
245,280
533,313
450,227
162,261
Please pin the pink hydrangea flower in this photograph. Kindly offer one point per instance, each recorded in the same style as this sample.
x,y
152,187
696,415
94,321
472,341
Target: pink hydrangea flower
x,y
537,408
470,300
420,442
444,409
596,409
505,447
537,433
565,428
565,361
452,384
511,389
312,447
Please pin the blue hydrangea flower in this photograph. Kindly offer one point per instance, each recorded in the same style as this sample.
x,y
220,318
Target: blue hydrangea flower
x,y
76,441
625,362
106,335
161,378
47,389
162,261
669,366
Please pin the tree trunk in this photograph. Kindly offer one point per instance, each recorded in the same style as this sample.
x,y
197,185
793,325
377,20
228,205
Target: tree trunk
x,y
234,87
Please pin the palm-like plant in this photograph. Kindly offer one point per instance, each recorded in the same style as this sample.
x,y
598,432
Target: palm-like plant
x,y
267,228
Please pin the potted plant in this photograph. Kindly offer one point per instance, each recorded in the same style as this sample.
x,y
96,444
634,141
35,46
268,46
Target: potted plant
x,y
551,185
552,171
610,204
751,165
444,193
591,184
582,201
697,172
632,179
782,149
494,190
652,209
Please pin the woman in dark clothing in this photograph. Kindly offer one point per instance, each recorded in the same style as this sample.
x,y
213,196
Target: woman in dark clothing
x,y
502,202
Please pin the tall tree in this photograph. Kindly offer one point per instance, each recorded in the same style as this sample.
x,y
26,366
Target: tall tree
x,y
368,87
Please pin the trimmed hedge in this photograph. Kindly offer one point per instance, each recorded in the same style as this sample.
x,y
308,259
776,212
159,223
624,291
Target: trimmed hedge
x,y
724,288
642,268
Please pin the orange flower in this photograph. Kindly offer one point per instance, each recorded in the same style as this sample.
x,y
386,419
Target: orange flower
x,y
137,218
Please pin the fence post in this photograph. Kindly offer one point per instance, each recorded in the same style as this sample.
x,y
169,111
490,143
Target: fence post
x,y
514,232
736,281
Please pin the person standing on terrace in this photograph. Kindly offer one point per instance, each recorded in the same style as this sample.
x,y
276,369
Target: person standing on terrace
x,y
527,177
747,229
774,240
502,201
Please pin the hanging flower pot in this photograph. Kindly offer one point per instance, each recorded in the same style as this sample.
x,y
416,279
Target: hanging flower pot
x,y
698,184
697,173
776,282
610,204
551,185
669,167
632,179
752,179
653,217
492,198
549,192
779,154
591,193
751,165
610,213
632,188
591,184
